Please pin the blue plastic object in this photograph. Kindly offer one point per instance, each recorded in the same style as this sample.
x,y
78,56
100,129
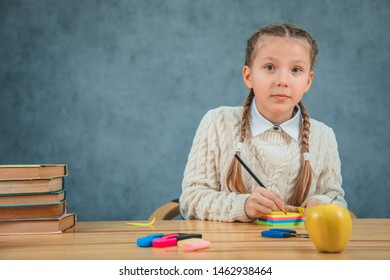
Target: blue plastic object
x,y
147,241
275,234
282,233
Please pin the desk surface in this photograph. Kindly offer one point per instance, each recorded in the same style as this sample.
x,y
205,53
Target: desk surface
x,y
116,241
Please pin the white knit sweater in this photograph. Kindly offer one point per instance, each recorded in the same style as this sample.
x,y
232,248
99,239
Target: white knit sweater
x,y
273,156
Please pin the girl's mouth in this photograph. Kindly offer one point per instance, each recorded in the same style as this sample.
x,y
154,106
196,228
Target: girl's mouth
x,y
280,97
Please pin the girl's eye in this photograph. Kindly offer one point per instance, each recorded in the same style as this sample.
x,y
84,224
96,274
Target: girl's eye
x,y
296,70
269,67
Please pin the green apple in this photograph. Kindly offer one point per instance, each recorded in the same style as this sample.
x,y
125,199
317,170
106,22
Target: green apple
x,y
329,227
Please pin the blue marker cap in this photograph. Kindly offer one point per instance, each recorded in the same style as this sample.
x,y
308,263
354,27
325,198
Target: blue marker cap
x,y
148,240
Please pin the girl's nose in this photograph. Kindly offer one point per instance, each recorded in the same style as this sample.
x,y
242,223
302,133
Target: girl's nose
x,y
282,80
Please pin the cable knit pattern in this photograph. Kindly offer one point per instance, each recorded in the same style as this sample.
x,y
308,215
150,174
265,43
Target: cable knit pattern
x,y
273,156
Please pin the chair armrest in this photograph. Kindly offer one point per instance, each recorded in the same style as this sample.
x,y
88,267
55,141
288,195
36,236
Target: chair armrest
x,y
168,211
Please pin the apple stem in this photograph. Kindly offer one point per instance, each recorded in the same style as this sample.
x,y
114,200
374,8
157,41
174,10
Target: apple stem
x,y
333,199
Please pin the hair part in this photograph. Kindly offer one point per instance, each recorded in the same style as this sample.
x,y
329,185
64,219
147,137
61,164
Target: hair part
x,y
285,30
302,183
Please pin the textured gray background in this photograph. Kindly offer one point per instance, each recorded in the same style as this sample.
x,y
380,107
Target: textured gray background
x,y
116,89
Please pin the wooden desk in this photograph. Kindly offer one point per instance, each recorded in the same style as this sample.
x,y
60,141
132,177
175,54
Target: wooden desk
x,y
116,241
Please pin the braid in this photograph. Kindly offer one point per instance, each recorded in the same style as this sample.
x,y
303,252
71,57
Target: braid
x,y
234,176
303,181
245,115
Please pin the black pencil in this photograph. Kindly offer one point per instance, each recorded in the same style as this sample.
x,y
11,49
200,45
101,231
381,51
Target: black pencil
x,y
252,174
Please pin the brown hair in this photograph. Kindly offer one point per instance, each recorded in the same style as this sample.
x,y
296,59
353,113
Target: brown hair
x,y
302,183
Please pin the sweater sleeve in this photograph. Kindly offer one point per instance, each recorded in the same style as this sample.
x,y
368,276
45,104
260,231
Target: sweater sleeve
x,y
329,184
202,195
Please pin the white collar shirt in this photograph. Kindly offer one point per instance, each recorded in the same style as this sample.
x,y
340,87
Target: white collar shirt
x,y
259,124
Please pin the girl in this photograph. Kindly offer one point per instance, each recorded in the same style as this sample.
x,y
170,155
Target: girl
x,y
272,133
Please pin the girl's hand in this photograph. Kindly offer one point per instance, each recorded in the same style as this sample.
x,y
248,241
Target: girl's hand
x,y
291,208
308,204
261,202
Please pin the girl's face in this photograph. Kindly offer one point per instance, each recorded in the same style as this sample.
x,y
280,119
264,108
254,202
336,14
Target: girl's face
x,y
280,75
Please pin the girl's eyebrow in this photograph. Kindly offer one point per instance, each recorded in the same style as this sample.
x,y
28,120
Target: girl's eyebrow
x,y
268,58
298,61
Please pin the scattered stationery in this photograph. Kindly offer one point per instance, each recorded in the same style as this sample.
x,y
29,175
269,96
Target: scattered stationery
x,y
282,233
181,242
143,224
194,245
172,239
147,241
160,240
281,219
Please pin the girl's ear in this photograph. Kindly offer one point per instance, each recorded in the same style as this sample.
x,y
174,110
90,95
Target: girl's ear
x,y
246,74
310,81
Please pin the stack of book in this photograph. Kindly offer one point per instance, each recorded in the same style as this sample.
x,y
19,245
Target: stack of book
x,y
33,199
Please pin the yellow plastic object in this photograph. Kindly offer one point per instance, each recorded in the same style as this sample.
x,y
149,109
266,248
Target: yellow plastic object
x,y
146,224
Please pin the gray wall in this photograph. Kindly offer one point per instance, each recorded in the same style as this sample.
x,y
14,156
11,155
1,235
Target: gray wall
x,y
116,89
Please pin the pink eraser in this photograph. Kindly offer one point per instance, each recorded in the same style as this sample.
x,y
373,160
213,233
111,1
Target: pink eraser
x,y
196,245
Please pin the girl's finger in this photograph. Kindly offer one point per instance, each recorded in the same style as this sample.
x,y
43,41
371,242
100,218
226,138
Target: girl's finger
x,y
291,208
253,209
269,199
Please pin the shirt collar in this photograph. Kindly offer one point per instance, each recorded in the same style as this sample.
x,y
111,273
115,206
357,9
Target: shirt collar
x,y
260,124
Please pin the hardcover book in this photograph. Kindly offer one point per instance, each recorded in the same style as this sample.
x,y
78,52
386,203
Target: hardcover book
x,y
24,186
27,211
33,171
31,198
60,224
